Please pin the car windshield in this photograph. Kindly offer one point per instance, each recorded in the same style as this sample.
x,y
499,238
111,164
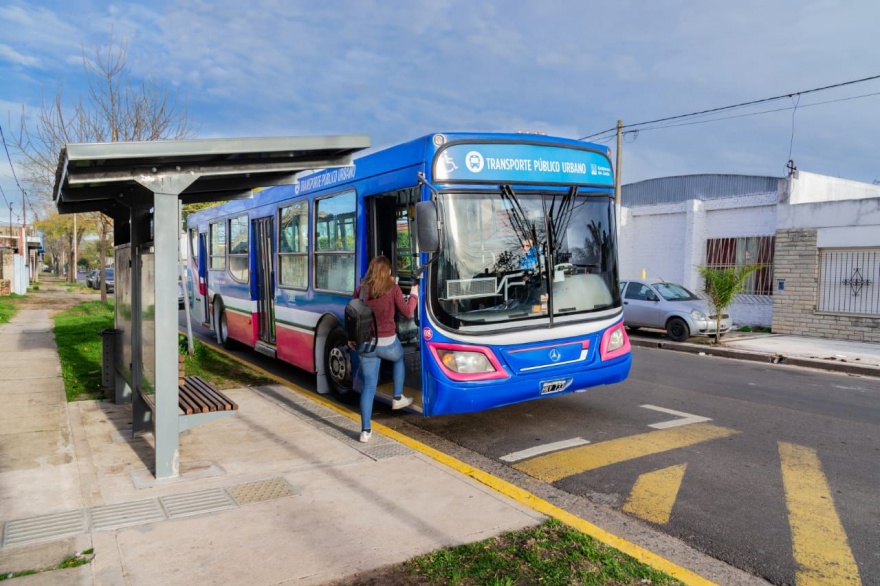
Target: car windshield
x,y
673,292
108,273
508,258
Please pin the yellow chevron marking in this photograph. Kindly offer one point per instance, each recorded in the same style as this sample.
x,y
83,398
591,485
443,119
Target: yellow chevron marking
x,y
653,494
559,465
818,540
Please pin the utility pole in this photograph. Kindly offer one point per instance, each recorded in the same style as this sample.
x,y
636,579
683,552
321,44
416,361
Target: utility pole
x,y
75,259
617,175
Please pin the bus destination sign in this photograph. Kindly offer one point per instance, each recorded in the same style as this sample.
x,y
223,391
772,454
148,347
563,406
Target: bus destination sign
x,y
522,163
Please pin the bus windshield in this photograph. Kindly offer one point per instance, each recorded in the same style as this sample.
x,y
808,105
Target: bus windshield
x,y
531,256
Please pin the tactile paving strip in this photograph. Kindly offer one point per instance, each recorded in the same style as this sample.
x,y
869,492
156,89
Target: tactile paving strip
x,y
264,490
118,515
44,527
196,503
125,514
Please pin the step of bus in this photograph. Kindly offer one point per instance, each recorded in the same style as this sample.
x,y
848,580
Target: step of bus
x,y
264,348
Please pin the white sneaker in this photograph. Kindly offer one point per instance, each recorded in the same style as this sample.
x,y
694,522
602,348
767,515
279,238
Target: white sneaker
x,y
401,402
365,436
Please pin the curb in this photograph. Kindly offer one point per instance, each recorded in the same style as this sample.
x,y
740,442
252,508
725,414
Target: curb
x,y
737,354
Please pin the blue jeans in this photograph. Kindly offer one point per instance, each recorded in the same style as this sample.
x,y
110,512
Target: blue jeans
x,y
370,362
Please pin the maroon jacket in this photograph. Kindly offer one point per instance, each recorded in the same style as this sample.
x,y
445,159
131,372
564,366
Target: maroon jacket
x,y
384,307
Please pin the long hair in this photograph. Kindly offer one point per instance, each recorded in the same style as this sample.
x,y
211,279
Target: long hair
x,y
378,279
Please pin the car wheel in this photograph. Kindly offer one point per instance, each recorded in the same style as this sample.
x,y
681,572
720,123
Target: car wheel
x,y
337,366
220,327
677,330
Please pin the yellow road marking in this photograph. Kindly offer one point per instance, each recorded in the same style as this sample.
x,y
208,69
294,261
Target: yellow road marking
x,y
653,494
818,540
559,465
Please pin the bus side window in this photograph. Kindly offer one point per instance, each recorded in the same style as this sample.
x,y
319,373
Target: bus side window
x,y
336,229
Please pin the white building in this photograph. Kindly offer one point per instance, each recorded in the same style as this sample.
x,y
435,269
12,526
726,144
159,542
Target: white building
x,y
817,237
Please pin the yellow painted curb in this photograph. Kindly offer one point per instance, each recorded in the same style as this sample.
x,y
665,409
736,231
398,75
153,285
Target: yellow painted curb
x,y
508,489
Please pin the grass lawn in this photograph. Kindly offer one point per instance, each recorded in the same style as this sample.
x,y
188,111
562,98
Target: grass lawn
x,y
551,554
80,347
8,307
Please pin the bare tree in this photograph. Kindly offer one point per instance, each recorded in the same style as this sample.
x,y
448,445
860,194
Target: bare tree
x,y
114,109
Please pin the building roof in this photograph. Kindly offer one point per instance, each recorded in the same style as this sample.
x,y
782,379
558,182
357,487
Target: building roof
x,y
702,187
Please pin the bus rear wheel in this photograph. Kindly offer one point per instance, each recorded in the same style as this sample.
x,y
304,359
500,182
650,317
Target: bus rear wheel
x,y
220,327
337,366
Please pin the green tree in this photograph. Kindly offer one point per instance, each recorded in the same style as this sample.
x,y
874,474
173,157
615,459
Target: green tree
x,y
721,286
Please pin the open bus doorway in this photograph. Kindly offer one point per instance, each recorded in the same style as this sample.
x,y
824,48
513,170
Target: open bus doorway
x,y
390,222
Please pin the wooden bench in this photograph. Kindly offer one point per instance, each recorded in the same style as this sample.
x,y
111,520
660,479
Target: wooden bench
x,y
196,395
198,402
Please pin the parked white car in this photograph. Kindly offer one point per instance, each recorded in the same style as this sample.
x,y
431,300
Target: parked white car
x,y
655,303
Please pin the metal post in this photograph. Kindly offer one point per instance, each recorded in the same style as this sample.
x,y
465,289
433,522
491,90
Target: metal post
x,y
165,245
617,175
185,284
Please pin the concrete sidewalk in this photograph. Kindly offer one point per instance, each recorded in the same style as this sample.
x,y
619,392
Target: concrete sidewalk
x,y
280,493
856,358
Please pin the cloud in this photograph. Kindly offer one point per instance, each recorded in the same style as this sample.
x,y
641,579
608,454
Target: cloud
x,y
397,69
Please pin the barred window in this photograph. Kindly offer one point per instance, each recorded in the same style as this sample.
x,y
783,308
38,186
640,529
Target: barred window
x,y
735,253
848,281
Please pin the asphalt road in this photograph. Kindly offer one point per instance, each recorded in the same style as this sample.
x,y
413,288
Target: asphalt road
x,y
732,484
773,470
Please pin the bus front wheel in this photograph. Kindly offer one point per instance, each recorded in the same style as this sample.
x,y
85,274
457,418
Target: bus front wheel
x,y
337,366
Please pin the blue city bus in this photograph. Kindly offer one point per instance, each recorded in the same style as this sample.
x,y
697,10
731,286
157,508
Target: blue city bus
x,y
512,238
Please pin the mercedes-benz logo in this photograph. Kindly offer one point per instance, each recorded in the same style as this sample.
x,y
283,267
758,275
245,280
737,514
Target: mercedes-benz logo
x,y
554,355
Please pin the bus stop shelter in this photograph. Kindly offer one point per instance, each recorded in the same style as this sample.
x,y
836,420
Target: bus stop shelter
x,y
141,185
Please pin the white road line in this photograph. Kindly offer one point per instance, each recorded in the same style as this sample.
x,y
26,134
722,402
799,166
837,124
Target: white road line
x,y
544,449
687,418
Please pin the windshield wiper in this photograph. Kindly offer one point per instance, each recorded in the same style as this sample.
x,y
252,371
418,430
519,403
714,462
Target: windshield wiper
x,y
523,228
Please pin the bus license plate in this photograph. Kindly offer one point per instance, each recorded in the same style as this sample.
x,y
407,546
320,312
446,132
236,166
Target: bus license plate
x,y
553,386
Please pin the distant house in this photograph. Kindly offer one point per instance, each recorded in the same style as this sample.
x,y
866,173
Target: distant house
x,y
817,239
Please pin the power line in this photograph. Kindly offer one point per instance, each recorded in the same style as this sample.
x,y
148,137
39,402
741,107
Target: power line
x,y
740,105
723,118
24,198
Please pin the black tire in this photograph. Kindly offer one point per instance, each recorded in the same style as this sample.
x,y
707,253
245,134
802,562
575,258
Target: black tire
x,y
337,366
677,330
220,327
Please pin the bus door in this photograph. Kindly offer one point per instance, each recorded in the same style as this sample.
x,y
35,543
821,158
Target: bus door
x,y
390,218
264,281
199,288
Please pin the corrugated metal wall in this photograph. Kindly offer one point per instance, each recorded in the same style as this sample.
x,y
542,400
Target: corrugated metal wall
x,y
701,187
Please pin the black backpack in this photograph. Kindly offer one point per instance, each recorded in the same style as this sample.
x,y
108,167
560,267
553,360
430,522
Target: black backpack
x,y
360,320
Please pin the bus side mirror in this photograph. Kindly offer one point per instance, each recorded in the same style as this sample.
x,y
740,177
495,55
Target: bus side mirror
x,y
427,227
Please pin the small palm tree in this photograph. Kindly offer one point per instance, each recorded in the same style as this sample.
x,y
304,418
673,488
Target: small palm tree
x,y
721,286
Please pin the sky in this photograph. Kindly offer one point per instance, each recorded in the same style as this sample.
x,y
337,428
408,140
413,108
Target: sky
x,y
399,69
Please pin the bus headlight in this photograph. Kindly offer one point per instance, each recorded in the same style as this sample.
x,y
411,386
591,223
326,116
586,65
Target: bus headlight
x,y
465,362
614,343
615,340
